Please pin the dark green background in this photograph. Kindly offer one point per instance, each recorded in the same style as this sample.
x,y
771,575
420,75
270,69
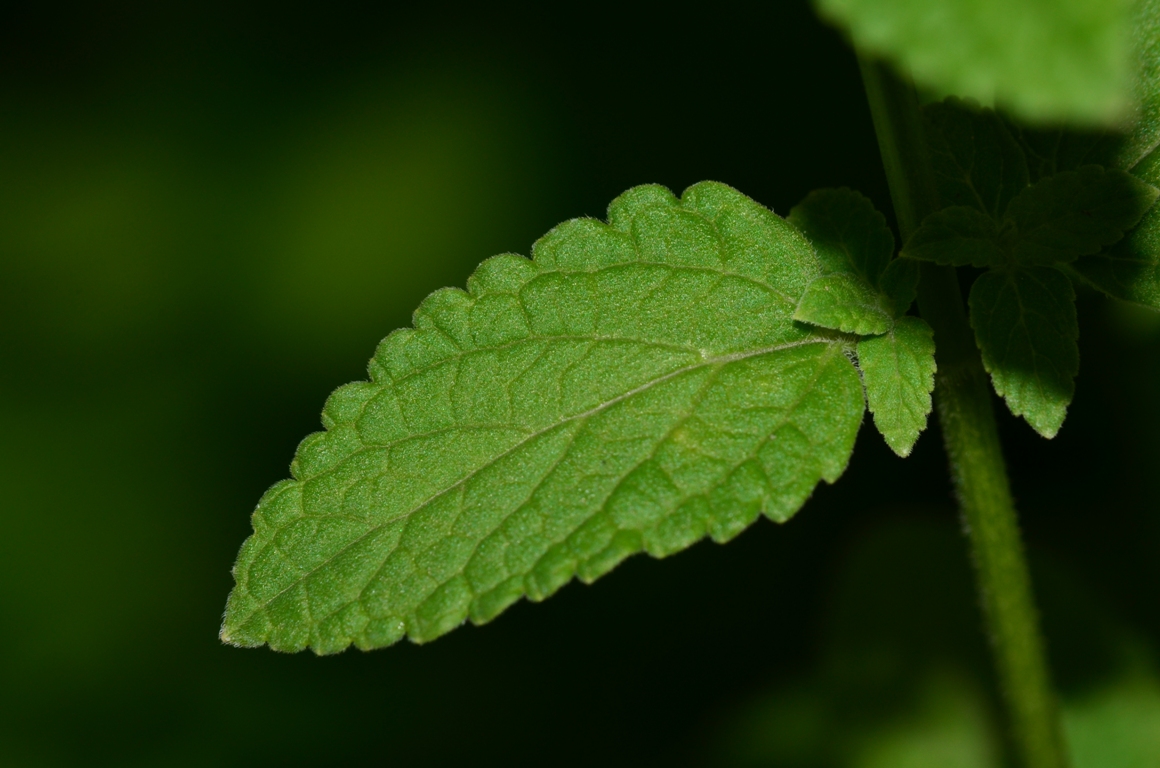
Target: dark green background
x,y
208,218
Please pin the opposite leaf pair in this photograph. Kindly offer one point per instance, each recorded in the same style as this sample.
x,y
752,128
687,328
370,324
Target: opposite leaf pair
x,y
1025,234
863,292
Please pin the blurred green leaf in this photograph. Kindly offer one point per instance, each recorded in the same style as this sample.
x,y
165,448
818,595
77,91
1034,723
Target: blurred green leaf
x,y
898,371
1116,725
635,386
1025,325
1067,61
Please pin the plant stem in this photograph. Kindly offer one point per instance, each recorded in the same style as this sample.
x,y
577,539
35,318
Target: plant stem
x,y
963,400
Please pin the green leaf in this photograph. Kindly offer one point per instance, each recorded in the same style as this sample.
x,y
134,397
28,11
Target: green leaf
x,y
1142,140
845,302
636,386
899,283
851,236
898,371
849,233
1025,325
958,236
1053,150
976,161
1076,213
1042,60
1130,270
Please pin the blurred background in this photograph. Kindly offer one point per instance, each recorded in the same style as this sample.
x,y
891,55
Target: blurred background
x,y
211,213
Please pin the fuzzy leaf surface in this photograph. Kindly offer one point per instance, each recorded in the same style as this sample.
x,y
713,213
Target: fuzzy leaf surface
x,y
849,233
1025,325
1077,213
957,236
635,386
852,239
1067,61
976,161
898,370
844,302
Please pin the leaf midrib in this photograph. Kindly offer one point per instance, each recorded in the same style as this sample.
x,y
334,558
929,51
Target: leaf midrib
x,y
721,360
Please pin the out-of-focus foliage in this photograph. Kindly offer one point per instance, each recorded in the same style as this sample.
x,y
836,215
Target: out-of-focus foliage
x,y
636,385
891,630
1045,61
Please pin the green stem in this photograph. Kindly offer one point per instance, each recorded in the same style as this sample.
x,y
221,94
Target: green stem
x,y
963,400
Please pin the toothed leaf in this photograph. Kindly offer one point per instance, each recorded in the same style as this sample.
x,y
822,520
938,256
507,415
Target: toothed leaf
x,y
635,386
1077,213
976,161
849,233
1130,269
898,371
1025,325
844,302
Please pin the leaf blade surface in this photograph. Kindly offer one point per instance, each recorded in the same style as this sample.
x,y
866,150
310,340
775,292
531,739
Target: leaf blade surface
x,y
898,370
844,302
958,236
1076,213
975,159
636,386
1025,325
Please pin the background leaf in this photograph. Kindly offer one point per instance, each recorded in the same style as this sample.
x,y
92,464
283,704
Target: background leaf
x,y
637,386
957,236
1130,270
844,302
1053,150
1076,213
848,232
976,160
1025,324
1043,61
900,283
898,370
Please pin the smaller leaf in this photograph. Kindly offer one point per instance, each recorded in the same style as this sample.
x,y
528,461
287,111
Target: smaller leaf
x,y
1025,325
1076,213
1130,269
1053,150
976,161
848,232
844,302
898,372
899,283
957,236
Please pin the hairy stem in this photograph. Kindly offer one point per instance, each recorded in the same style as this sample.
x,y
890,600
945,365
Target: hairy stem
x,y
963,400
